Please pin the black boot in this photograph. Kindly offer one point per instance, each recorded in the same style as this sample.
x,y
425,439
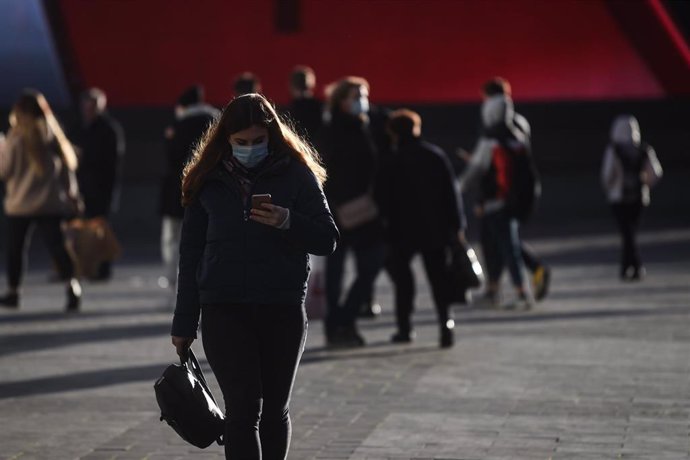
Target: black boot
x,y
10,300
447,336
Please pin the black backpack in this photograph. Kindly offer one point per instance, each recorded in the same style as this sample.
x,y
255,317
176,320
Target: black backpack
x,y
187,404
525,184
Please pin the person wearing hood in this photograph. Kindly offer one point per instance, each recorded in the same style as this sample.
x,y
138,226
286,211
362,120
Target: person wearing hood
x,y
491,165
541,273
192,119
629,169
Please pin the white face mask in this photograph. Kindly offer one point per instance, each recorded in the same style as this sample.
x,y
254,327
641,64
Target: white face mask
x,y
360,106
250,155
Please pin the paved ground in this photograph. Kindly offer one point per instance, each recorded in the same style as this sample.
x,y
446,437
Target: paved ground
x,y
600,370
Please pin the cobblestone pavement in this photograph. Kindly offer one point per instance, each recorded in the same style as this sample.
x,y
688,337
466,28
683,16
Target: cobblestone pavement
x,y
599,370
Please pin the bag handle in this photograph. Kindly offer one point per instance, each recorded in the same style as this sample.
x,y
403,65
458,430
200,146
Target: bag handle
x,y
188,359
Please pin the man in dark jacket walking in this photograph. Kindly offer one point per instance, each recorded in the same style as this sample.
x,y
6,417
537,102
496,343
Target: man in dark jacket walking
x,y
101,146
192,118
422,206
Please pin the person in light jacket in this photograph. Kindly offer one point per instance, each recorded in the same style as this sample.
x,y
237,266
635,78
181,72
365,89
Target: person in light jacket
x,y
629,169
37,165
244,268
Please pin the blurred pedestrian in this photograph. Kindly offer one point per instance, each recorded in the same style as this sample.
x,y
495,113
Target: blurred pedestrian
x,y
541,273
420,200
494,162
244,267
246,83
192,119
629,169
101,146
351,159
305,109
38,164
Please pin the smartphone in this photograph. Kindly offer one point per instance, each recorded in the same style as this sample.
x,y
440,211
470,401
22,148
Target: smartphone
x,y
258,200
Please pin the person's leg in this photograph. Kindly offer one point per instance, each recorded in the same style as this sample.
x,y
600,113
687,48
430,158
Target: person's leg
x,y
492,255
170,247
17,241
529,257
620,213
282,333
51,231
403,281
438,276
634,212
368,261
231,344
509,244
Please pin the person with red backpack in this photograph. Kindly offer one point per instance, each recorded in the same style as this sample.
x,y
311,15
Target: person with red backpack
x,y
629,169
509,186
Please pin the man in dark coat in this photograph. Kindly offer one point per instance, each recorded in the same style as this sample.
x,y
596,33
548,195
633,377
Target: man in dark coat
x,y
304,109
192,118
101,146
421,203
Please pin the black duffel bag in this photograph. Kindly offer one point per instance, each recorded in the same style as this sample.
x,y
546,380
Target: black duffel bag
x,y
187,404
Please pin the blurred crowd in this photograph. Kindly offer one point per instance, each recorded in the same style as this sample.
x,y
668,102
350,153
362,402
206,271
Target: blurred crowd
x,y
393,194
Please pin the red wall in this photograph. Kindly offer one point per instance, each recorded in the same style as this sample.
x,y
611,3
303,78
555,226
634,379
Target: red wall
x,y
144,52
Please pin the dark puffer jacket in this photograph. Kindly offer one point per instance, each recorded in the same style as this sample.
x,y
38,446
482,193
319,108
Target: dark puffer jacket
x,y
225,258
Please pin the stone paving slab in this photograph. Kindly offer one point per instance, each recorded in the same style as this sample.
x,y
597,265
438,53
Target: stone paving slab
x,y
601,370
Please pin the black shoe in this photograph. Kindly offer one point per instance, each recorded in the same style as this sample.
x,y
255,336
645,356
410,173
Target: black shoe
x,y
638,274
73,298
345,337
10,301
447,336
403,337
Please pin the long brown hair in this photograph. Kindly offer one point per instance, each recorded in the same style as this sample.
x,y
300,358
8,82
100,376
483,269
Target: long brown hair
x,y
33,120
244,112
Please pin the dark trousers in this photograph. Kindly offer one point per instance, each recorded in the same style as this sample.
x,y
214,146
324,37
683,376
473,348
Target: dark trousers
x,y
628,220
369,259
403,278
529,257
254,351
501,246
18,233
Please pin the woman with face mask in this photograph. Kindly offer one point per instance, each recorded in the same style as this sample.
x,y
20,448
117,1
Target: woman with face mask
x,y
244,268
349,153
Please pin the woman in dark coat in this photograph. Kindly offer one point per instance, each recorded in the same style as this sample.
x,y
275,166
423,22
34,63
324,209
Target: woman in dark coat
x,y
350,156
245,267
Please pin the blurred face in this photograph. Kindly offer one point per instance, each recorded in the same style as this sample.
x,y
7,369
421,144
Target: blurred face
x,y
254,135
89,109
357,101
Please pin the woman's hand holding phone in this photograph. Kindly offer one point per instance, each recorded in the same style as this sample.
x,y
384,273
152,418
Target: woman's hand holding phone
x,y
264,212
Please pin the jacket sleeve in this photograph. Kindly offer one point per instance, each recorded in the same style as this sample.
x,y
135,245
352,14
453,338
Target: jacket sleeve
x,y
450,188
6,157
652,168
478,164
311,224
609,170
192,244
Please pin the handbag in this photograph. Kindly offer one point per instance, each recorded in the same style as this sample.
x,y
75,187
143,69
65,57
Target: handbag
x,y
465,270
91,242
356,212
187,405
